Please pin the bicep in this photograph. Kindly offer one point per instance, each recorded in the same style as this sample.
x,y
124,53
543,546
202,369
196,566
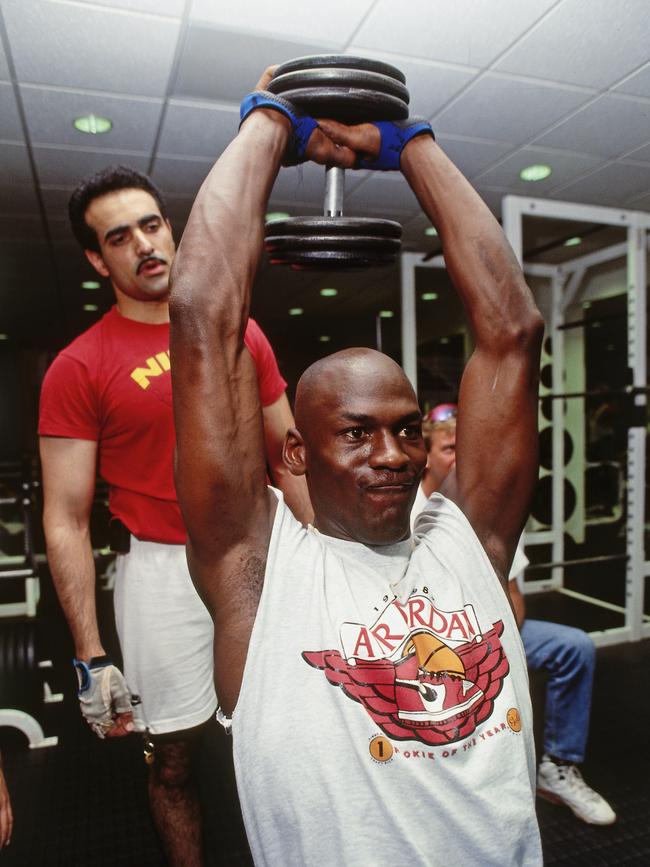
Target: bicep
x,y
69,469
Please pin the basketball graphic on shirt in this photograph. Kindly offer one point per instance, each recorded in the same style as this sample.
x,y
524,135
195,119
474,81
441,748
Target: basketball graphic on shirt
x,y
420,688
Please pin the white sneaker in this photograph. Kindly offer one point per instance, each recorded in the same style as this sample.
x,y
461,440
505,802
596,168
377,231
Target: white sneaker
x,y
563,784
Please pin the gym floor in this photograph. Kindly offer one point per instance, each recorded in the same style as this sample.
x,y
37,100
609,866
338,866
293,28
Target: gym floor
x,y
83,803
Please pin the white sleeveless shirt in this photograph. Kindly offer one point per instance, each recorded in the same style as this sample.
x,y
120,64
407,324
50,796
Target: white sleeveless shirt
x,y
384,716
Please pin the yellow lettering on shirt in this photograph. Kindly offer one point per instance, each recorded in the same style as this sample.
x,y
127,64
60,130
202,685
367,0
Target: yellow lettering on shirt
x,y
154,367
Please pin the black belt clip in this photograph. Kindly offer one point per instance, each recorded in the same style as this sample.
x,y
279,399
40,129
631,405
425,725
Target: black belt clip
x,y
119,537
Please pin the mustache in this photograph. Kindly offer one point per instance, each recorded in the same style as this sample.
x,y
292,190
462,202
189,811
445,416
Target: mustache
x,y
150,259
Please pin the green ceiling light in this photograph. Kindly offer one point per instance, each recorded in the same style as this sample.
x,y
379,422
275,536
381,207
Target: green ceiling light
x,y
537,172
4,337
93,124
90,308
324,338
329,293
444,340
273,216
432,231
573,242
586,305
386,314
429,296
90,284
296,311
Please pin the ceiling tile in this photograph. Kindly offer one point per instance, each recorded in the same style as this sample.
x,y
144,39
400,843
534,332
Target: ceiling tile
x,y
4,69
225,66
63,167
183,177
637,84
642,154
50,115
588,42
607,127
16,228
10,127
457,31
153,7
55,201
14,164
388,195
18,199
566,166
197,129
286,18
430,85
97,49
612,185
506,109
471,155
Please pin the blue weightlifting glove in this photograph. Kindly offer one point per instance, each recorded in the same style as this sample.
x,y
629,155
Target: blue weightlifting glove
x,y
395,134
303,125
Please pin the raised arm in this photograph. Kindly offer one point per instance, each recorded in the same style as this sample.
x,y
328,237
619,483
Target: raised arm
x,y
496,440
220,472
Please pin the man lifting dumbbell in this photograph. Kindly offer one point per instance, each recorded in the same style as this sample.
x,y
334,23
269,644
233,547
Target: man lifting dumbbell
x,y
425,753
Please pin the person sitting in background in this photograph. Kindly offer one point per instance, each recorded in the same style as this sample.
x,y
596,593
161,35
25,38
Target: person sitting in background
x,y
567,655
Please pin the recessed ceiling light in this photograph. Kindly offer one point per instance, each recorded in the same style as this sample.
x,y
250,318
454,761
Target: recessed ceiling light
x,y
431,231
429,296
329,293
386,314
90,308
272,216
535,173
573,242
296,311
444,340
586,305
90,284
324,338
4,337
93,124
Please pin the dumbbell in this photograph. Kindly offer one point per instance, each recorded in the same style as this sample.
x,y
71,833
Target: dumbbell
x,y
351,90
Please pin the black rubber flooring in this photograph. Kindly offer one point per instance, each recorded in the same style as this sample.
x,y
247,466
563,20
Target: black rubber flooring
x,y
84,804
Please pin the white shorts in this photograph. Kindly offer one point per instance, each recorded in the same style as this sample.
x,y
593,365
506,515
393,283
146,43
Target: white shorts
x,y
166,636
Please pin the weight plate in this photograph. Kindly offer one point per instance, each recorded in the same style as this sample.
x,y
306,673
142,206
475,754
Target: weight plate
x,y
344,61
334,226
339,78
365,243
325,260
348,105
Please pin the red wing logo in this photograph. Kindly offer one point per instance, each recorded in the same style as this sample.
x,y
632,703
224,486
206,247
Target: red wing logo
x,y
432,693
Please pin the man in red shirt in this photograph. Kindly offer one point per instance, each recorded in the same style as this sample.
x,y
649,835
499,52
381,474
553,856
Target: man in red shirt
x,y
106,403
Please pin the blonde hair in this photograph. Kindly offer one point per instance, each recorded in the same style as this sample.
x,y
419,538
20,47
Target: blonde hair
x,y
431,427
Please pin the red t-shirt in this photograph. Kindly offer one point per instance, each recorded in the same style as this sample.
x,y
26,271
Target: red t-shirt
x,y
113,385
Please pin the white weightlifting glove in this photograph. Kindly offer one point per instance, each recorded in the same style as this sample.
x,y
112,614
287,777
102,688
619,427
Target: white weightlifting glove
x,y
103,696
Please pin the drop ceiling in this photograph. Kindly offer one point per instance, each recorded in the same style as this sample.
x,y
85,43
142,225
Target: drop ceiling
x,y
506,83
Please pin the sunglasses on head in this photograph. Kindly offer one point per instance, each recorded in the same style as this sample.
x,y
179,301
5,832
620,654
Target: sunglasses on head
x,y
442,412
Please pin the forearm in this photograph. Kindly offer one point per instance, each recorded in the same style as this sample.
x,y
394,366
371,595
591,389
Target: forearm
x,y
478,257
70,558
218,256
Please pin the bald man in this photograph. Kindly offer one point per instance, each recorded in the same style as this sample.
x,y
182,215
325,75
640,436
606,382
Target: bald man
x,y
424,752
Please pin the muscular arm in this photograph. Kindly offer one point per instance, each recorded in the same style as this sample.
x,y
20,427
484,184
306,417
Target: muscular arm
x,y
496,442
278,418
68,485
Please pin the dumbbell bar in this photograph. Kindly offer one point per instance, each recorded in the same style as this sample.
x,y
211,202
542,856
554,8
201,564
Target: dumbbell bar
x,y
350,90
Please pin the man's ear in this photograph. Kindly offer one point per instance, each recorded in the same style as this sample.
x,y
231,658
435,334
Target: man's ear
x,y
293,452
97,262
